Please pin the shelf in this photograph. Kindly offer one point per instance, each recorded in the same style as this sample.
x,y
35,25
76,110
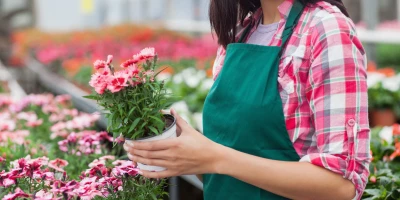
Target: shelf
x,y
379,36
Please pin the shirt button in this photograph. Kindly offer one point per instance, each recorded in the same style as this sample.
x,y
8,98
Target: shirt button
x,y
351,122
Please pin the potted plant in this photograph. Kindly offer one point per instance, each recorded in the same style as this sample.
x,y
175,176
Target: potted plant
x,y
133,99
384,105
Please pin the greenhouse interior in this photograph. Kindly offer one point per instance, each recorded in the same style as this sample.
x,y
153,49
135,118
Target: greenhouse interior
x,y
82,80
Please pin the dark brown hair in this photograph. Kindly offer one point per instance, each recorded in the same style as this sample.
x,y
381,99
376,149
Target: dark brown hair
x,y
224,15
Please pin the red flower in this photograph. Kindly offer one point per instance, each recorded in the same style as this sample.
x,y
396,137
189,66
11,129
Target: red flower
x,y
18,193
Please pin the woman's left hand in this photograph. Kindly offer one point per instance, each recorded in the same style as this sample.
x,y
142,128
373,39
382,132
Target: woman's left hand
x,y
190,153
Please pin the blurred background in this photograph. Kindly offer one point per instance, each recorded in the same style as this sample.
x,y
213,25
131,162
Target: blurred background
x,y
48,46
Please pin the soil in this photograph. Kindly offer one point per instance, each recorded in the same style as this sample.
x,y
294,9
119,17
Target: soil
x,y
168,121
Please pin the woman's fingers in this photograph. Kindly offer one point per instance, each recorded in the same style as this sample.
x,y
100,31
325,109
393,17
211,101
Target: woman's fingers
x,y
163,155
151,146
146,161
158,175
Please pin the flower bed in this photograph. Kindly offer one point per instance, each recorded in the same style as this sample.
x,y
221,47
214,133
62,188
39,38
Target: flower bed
x,y
49,150
384,180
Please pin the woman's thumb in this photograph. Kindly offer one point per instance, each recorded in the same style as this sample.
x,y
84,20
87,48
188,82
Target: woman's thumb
x,y
179,120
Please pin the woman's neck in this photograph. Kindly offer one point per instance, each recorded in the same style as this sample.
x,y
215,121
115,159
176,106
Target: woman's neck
x,y
270,11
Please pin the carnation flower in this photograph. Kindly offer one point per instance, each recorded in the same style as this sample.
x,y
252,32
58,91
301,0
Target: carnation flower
x,y
17,194
148,53
100,64
109,59
58,164
118,82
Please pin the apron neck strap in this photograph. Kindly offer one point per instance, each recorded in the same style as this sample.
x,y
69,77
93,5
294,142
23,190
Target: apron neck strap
x,y
292,20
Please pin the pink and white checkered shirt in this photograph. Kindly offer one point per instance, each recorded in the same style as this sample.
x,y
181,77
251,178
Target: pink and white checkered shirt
x,y
322,82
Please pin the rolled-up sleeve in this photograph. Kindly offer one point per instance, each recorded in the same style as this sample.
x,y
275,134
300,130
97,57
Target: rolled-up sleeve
x,y
337,94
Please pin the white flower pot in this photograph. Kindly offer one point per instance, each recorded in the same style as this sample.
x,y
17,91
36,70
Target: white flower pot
x,y
169,132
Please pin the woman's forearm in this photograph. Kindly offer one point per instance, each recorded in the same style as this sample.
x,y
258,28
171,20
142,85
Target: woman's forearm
x,y
294,180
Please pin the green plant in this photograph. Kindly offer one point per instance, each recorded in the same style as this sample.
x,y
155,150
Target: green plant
x,y
388,55
131,98
382,98
83,75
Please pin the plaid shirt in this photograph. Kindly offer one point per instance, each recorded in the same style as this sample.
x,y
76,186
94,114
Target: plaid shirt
x,y
322,83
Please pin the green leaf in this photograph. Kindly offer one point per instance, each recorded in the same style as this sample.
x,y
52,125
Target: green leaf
x,y
131,111
154,130
93,97
134,124
157,119
373,192
153,196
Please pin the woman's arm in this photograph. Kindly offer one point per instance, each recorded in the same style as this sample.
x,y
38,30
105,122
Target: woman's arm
x,y
294,180
192,153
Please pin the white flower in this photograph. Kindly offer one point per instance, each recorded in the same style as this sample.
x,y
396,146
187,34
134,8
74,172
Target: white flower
x,y
198,120
181,107
387,134
374,78
392,83
207,84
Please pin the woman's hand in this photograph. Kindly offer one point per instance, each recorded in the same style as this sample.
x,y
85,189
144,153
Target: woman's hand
x,y
190,153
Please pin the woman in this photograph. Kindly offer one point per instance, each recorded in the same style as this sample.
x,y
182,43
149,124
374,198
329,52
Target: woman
x,y
287,115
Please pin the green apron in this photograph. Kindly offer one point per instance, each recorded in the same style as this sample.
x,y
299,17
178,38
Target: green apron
x,y
244,111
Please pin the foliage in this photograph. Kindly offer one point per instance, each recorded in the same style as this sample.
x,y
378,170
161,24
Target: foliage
x,y
132,98
41,130
384,180
382,98
388,55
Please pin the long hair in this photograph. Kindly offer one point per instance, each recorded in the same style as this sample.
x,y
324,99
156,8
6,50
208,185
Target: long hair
x,y
224,15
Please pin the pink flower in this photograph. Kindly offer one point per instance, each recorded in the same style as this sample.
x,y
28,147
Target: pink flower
x,y
128,63
43,195
2,159
58,164
97,162
109,59
18,193
118,82
100,64
9,178
35,123
99,82
122,170
123,162
99,171
63,98
147,53
7,125
107,157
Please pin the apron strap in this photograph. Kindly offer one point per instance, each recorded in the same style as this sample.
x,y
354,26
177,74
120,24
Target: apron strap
x,y
292,20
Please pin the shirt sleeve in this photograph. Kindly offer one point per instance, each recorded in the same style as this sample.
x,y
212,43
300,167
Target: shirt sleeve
x,y
337,95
